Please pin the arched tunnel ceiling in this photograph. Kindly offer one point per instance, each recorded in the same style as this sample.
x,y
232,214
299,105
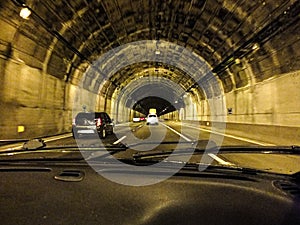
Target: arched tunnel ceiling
x,y
150,69
80,31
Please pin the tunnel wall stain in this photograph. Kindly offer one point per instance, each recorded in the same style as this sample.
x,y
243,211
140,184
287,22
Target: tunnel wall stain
x,y
34,100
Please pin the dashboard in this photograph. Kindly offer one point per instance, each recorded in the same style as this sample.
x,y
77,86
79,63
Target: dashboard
x,y
74,193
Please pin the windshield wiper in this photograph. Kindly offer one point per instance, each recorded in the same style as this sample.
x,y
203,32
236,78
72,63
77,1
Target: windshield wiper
x,y
161,143
258,149
39,143
159,156
225,149
12,141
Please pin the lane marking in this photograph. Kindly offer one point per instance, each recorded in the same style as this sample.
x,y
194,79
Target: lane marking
x,y
219,160
128,128
122,124
176,132
215,157
136,128
118,141
231,136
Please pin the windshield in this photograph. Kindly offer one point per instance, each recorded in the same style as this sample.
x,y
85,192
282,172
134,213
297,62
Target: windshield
x,y
155,78
150,112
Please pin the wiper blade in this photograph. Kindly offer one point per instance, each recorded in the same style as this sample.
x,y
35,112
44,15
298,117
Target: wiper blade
x,y
203,167
12,141
161,143
258,149
39,147
225,149
28,144
157,156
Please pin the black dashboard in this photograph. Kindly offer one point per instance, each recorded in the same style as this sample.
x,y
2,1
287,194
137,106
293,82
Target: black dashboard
x,y
74,193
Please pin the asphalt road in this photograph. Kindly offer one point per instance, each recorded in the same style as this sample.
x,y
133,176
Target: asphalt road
x,y
171,135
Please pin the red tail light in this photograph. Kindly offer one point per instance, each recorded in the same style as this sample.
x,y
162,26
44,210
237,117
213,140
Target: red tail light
x,y
98,122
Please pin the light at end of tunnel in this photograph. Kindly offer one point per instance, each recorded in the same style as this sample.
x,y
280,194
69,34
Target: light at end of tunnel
x,y
157,52
25,13
21,129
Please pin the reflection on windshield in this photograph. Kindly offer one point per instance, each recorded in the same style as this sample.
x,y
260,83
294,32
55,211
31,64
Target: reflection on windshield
x,y
153,80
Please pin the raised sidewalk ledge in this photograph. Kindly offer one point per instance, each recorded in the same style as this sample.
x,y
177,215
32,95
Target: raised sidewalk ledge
x,y
277,135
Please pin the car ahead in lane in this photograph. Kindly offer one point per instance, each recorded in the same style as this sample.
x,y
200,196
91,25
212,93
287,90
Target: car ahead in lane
x,y
91,123
152,119
136,119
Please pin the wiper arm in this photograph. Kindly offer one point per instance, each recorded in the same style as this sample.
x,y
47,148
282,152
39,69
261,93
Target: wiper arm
x,y
16,145
225,149
12,141
161,143
34,144
258,149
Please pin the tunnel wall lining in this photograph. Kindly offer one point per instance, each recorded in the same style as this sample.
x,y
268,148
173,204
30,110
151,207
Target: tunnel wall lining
x,y
30,98
275,101
43,104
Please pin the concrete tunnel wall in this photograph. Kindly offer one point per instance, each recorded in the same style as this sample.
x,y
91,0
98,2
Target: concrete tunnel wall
x,y
43,104
265,111
39,102
274,101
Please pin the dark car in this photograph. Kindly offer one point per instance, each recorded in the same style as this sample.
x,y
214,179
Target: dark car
x,y
91,123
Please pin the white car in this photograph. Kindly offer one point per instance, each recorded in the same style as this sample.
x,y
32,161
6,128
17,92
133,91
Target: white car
x,y
152,119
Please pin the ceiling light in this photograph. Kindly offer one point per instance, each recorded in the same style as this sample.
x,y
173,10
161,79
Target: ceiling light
x,y
157,51
237,61
255,46
25,13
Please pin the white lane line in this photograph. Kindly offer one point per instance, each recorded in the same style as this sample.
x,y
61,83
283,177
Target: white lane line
x,y
138,127
122,124
118,141
231,136
176,132
128,129
219,160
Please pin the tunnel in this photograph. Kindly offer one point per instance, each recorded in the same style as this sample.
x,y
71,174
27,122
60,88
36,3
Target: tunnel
x,y
234,63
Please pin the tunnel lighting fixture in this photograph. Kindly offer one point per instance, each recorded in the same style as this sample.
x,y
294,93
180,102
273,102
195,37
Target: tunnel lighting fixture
x,y
255,46
157,51
25,13
237,61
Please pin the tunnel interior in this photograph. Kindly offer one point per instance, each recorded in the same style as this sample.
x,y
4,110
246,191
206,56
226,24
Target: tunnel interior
x,y
161,105
194,59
